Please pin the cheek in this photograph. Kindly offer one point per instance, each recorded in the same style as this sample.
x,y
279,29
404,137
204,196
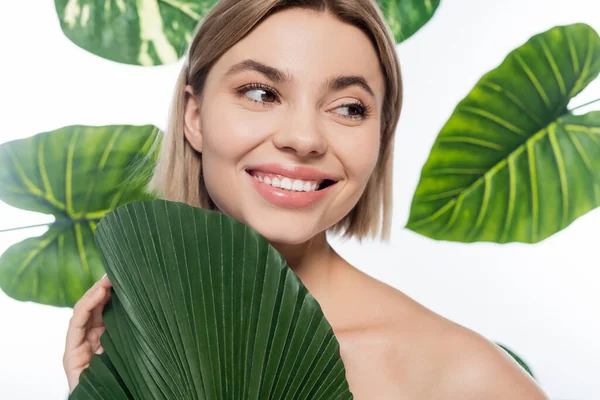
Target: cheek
x,y
230,131
359,157
228,136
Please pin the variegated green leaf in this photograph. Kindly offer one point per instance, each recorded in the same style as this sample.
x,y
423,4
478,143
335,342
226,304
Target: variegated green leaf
x,y
77,174
406,17
512,164
155,32
139,32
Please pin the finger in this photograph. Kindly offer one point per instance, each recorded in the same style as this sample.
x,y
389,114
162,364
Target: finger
x,y
105,281
93,338
91,292
102,282
81,317
81,313
96,316
75,358
107,298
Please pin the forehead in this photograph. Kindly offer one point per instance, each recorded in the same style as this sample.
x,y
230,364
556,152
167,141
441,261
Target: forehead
x,y
309,47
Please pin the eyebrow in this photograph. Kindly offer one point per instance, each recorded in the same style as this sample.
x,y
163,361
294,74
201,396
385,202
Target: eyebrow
x,y
333,83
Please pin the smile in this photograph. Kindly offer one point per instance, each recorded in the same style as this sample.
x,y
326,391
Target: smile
x,y
288,192
290,184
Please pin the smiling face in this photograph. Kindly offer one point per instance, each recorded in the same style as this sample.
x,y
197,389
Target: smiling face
x,y
303,89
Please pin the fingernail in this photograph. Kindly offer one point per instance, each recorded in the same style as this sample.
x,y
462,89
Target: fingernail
x,y
103,276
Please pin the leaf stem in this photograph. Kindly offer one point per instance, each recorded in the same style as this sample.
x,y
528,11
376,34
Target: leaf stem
x,y
583,105
59,222
24,227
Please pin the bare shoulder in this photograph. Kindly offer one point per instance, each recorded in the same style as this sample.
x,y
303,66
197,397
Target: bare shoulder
x,y
469,365
476,368
446,360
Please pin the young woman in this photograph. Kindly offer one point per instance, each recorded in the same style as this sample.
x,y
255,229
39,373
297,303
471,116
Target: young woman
x,y
283,118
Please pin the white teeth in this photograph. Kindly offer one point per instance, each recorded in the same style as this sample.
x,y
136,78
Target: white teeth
x,y
298,185
288,184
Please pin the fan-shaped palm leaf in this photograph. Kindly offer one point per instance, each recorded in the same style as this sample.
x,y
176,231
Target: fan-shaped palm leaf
x,y
204,308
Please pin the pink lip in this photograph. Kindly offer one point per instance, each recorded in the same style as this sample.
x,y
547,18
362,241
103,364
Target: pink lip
x,y
287,198
293,172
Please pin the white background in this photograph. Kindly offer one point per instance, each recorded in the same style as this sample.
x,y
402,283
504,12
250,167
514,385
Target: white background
x,y
541,300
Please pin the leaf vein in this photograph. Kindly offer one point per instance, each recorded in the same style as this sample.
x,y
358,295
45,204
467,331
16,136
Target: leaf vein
x,y
512,189
470,140
496,119
534,191
585,159
510,96
560,164
579,84
69,173
572,51
533,79
482,208
554,67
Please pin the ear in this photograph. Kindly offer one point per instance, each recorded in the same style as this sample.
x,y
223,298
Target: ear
x,y
191,119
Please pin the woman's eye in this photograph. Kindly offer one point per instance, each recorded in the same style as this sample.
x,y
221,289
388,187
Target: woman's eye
x,y
354,111
258,94
263,95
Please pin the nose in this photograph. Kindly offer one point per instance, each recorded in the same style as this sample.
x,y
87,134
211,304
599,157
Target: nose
x,y
300,134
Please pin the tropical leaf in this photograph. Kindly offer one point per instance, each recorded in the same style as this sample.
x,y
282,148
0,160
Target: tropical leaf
x,y
203,307
512,164
77,174
156,32
517,359
406,17
139,32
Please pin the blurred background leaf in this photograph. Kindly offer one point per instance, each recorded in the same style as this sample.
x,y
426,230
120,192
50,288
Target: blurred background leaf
x,y
156,32
512,164
78,174
406,17
139,32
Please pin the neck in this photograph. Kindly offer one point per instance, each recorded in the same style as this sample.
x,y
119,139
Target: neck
x,y
312,261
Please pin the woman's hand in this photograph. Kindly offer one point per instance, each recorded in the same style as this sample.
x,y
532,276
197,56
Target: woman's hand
x,y
85,328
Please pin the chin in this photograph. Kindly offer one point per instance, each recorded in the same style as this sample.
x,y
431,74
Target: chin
x,y
290,231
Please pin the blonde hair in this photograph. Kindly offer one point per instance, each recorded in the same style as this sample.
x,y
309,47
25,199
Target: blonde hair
x,y
178,172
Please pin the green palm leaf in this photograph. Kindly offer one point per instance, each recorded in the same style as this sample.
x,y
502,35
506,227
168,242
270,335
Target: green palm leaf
x,y
406,17
77,174
512,164
139,32
203,307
